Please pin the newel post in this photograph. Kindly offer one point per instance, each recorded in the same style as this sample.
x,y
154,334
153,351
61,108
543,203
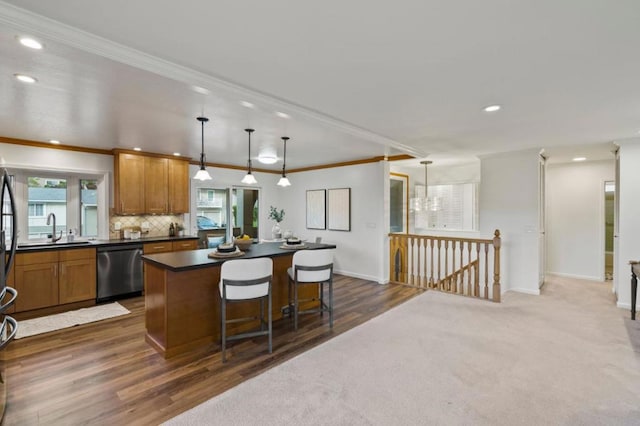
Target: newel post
x,y
496,265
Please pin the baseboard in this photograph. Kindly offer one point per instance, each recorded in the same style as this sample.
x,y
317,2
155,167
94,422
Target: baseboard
x,y
535,292
579,277
361,276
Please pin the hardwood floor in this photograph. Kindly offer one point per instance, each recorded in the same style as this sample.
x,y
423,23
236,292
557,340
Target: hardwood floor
x,y
104,373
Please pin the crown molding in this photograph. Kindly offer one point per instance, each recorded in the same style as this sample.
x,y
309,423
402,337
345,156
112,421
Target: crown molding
x,y
49,29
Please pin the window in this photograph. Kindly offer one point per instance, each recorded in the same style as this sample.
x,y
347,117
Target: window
x,y
36,209
89,207
46,195
72,198
450,207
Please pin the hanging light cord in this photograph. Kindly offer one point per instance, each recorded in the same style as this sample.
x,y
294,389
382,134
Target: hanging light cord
x,y
249,153
202,156
284,158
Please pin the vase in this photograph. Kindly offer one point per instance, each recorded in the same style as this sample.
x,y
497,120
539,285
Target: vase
x,y
276,232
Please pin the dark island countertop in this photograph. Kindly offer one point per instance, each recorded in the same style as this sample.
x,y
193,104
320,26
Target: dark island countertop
x,y
194,259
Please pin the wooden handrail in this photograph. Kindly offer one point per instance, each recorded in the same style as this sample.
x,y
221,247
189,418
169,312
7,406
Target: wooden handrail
x,y
443,263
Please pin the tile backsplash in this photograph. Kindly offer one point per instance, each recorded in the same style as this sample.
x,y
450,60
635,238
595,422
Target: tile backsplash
x,y
158,224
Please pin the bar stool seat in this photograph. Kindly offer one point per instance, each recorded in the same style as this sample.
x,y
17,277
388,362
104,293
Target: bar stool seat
x,y
311,267
242,280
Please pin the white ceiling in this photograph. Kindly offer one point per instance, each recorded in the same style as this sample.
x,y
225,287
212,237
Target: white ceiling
x,y
358,78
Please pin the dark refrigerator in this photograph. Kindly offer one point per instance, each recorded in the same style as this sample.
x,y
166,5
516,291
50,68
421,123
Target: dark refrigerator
x,y
8,242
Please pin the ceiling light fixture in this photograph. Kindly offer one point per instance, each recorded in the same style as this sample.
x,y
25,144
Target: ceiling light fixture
x,y
492,108
249,179
267,159
579,158
202,174
30,42
54,141
284,182
177,154
422,201
137,149
25,78
282,114
247,104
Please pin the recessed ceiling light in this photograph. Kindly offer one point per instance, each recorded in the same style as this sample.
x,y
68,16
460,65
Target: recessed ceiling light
x,y
579,158
201,90
30,42
177,154
137,149
247,104
492,108
282,114
267,159
54,141
25,78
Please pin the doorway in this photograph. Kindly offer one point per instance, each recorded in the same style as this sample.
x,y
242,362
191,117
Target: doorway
x,y
609,228
399,202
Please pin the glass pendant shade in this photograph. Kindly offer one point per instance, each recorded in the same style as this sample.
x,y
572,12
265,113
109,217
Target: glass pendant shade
x,y
422,201
284,181
202,174
249,179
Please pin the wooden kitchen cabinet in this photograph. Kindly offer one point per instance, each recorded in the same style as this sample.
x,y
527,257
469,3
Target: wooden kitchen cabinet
x,y
178,176
156,194
185,245
77,280
159,247
36,279
150,184
55,277
129,179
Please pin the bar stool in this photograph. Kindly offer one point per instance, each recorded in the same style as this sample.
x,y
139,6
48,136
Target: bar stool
x,y
311,267
241,280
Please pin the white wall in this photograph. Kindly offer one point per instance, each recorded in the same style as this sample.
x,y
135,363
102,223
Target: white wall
x,y
575,218
629,212
509,202
360,252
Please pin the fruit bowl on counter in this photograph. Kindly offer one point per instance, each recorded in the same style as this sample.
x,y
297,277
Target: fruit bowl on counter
x,y
244,242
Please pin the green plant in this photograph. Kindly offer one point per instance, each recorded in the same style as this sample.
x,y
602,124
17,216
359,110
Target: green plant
x,y
276,215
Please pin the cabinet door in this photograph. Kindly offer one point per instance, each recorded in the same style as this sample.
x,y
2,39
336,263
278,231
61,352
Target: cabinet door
x,y
185,245
77,280
155,187
37,286
129,184
178,186
160,247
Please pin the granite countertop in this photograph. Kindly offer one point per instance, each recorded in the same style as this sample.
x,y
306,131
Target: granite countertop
x,y
194,259
83,243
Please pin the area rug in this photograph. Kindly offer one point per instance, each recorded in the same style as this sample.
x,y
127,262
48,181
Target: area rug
x,y
562,358
49,323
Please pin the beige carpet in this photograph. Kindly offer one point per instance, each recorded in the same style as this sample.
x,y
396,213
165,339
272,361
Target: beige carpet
x,y
69,319
564,357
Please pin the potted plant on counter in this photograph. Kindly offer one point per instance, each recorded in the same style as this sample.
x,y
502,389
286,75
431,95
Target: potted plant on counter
x,y
277,216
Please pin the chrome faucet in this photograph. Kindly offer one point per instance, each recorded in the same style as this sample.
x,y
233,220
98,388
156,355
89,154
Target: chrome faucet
x,y
53,234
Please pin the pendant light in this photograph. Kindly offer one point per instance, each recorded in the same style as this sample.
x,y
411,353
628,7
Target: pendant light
x,y
249,179
202,174
283,180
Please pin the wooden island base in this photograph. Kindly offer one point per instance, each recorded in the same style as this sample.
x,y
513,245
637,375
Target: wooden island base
x,y
182,303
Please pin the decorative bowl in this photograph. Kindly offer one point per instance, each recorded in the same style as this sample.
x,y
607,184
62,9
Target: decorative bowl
x,y
243,245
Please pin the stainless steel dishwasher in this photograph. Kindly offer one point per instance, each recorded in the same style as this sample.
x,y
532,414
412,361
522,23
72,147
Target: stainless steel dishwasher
x,y
119,271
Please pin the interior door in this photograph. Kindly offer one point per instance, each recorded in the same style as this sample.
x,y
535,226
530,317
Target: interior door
x,y
616,221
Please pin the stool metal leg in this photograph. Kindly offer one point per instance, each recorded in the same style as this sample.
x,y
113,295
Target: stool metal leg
x,y
269,322
331,302
295,305
223,328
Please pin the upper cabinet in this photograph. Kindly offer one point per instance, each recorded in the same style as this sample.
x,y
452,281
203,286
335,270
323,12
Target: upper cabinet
x,y
146,184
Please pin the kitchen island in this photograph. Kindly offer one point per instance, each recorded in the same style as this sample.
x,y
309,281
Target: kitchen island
x,y
182,300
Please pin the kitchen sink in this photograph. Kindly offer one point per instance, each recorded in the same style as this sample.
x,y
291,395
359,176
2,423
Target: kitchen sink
x,y
56,244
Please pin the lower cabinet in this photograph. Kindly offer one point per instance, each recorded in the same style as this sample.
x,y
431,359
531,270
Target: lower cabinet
x,y
49,278
77,276
185,245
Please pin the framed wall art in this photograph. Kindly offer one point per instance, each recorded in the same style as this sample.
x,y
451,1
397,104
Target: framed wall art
x,y
316,200
339,209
